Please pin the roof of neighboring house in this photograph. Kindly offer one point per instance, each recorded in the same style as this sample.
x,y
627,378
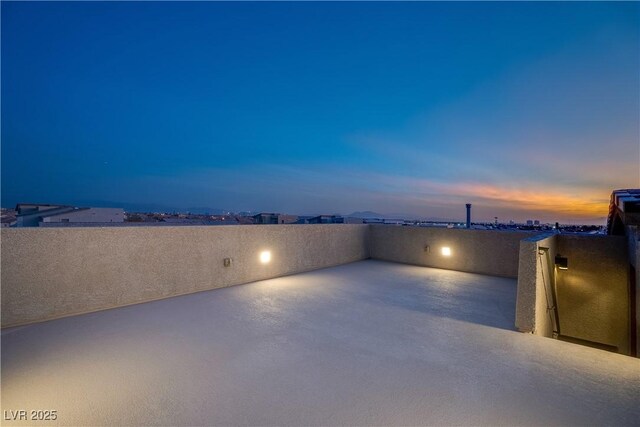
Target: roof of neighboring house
x,y
73,211
58,205
624,209
49,212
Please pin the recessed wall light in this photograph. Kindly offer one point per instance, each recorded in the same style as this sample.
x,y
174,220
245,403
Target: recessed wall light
x,y
446,251
265,257
562,262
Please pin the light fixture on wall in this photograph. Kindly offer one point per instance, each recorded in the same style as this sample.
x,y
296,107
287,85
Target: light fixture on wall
x,y
265,257
445,251
562,262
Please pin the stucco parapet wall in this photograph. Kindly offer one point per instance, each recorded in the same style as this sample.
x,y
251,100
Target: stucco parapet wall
x,y
49,273
634,259
589,301
475,251
593,294
531,303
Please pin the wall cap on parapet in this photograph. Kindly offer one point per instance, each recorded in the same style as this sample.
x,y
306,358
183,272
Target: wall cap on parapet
x,y
540,236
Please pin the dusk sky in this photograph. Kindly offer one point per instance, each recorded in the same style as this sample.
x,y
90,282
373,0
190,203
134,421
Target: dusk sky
x,y
526,110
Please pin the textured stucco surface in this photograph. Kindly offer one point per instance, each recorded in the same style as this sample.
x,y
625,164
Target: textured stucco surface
x,y
369,343
536,274
593,294
475,251
637,268
633,241
49,273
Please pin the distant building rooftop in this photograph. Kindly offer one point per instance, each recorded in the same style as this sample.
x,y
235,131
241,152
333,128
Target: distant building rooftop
x,y
624,210
36,214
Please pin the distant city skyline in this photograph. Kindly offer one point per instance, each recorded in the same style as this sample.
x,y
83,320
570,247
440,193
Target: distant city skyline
x,y
525,110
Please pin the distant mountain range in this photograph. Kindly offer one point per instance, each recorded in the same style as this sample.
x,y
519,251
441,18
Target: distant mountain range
x,y
367,215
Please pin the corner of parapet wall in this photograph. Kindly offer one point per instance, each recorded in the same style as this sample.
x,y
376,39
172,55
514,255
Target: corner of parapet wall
x,y
534,274
526,288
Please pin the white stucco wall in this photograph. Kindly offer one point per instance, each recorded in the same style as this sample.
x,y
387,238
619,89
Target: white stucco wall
x,y
535,285
474,251
593,294
55,272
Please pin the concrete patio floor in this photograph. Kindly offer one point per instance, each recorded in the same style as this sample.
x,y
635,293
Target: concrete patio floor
x,y
368,343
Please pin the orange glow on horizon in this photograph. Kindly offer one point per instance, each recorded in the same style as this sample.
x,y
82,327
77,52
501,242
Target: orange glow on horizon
x,y
586,205
563,203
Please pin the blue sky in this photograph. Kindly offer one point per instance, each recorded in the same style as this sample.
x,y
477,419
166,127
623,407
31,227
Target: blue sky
x,y
526,110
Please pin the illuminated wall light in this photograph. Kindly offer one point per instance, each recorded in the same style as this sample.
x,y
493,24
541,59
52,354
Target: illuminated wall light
x,y
562,262
265,257
446,251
